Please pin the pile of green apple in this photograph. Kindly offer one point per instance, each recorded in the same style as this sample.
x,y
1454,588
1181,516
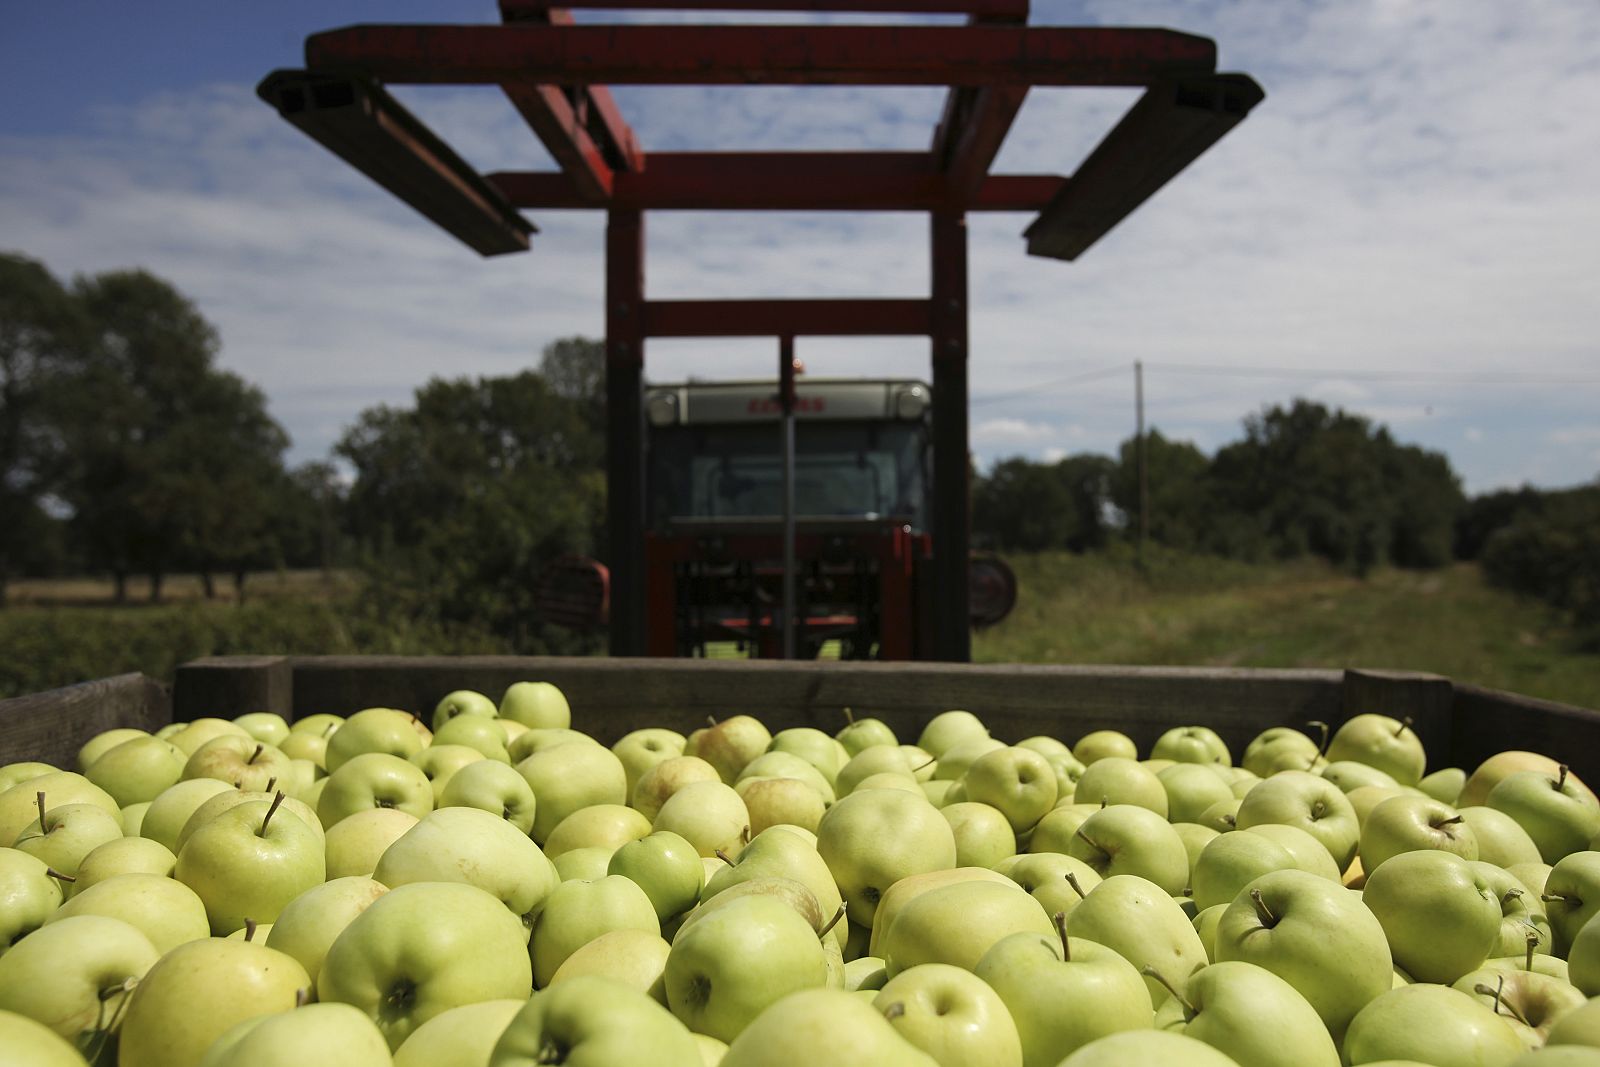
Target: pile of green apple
x,y
497,889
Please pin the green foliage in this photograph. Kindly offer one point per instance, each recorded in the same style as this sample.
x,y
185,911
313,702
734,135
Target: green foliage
x,y
1036,506
1553,552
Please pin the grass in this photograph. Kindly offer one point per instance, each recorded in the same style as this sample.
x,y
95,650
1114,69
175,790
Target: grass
x,y
1191,611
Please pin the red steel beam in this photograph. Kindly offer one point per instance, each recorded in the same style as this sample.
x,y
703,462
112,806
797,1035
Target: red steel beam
x,y
974,127
1010,9
784,181
800,318
761,55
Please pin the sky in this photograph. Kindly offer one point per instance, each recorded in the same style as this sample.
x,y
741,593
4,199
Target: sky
x,y
1407,228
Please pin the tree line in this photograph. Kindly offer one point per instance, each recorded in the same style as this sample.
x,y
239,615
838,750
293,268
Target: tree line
x,y
126,450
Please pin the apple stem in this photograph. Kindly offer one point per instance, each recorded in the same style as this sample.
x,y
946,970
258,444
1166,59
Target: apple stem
x,y
744,835
1510,895
711,719
302,997
1448,822
1405,722
924,766
277,798
1561,776
58,875
831,922
249,929
332,726
1532,939
256,754
1231,820
1268,919
1091,842
894,1010
723,856
1072,880
1150,972
849,717
39,796
1060,920
1552,898
1499,1003
1322,746
272,784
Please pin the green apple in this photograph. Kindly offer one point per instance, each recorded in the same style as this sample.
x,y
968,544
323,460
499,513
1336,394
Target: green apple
x,y
948,729
26,771
959,757
460,1037
1056,831
422,949
1363,798
1444,785
1280,748
74,975
165,910
781,802
370,780
264,726
441,763
323,722
355,843
1118,780
1524,926
1314,934
636,958
873,761
858,734
537,705
957,923
1580,1026
308,924
1192,744
34,1044
125,855
592,1021
823,1028
239,760
568,777
1350,775
813,746
1195,838
472,846
313,1034
666,778
608,826
1222,816
1191,788
200,990
1206,923
941,793
1438,913
729,745
376,730
168,813
137,770
952,1015
1139,920
229,799
19,805
1147,1048
1017,782
787,765
577,912
1308,853
1314,804
584,864
1250,1014
779,852
642,749
462,702
1559,812
190,736
1501,839
1382,742
66,833
248,862
904,890
101,743
1231,862
666,867
1409,823
1431,1024
1570,896
1583,959
493,787
709,815
1493,770
725,969
1100,744
983,834
474,731
872,839
1051,748
538,738
1532,1003
1129,839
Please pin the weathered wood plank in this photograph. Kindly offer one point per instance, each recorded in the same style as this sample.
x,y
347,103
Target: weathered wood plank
x,y
226,686
1489,721
1428,700
51,726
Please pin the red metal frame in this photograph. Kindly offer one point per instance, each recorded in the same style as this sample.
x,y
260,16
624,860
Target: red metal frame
x,y
555,72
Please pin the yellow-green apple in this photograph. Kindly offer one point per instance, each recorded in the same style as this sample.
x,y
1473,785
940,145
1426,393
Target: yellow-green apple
x,y
475,731
104,742
1558,811
1056,830
779,852
1129,839
191,736
1439,914
460,1037
608,826
1444,785
1250,1014
958,923
1280,748
35,1044
1222,816
823,1028
168,813
239,760
66,833
568,777
494,787
1501,839
948,729
584,864
667,777
1099,744
636,958
537,705
1409,823
1314,934
376,730
1051,748
1580,1026
1241,780
983,833
229,799
1205,924
1389,744
1195,838
872,839
1232,861
1018,782
960,756
1493,770
137,770
440,763
1118,780
1570,896
577,912
1191,788
1062,993
738,960
133,817
1532,1003
907,889
590,1022
952,1015
165,910
709,815
857,734
316,1035
320,723
1309,854
200,990
813,746
308,924
1147,1048
538,738
666,867
781,802
1524,926
642,749
19,805
125,855
462,702
1192,744
1350,775
1433,1024
729,745
1363,798
1314,804
1139,920
941,792
250,861
422,949
865,973
355,843
787,765
374,780
265,726
472,846
26,771
74,975
871,761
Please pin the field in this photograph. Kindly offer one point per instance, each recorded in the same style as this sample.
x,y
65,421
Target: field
x,y
1176,610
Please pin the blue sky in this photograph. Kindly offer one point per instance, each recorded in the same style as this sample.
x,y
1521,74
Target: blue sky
x,y
1408,227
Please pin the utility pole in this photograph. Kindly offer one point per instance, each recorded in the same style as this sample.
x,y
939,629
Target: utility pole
x,y
1139,445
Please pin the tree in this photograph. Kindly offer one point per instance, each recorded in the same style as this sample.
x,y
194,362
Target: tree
x,y
575,369
1176,488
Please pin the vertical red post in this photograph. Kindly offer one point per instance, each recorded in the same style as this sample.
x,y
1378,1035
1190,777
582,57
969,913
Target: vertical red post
x,y
625,429
952,637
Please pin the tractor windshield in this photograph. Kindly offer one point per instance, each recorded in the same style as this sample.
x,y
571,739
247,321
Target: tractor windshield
x,y
867,470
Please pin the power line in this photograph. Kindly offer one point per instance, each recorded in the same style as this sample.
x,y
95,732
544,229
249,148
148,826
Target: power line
x,y
1448,377
1073,379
